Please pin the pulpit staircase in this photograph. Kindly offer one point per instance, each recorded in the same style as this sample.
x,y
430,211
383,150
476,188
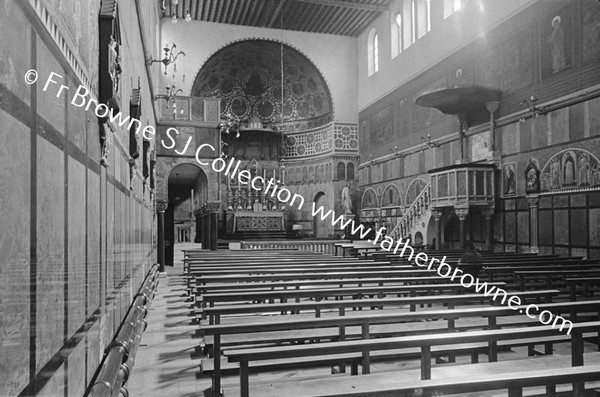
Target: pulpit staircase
x,y
416,218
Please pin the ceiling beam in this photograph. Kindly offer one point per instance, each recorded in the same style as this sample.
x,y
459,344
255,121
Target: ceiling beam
x,y
348,4
275,15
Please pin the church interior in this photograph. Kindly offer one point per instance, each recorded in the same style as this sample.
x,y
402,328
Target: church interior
x,y
248,197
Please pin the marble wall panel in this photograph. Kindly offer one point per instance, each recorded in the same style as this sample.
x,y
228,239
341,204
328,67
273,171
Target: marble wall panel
x,y
576,121
56,385
15,174
76,120
51,108
559,125
583,252
76,246
510,138
523,227
594,227
93,243
14,60
545,227
561,227
509,227
594,117
76,376
498,227
94,349
539,132
50,251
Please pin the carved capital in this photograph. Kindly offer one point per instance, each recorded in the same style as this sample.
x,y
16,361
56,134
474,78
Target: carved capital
x,y
437,214
161,206
487,212
492,106
213,206
461,212
533,201
198,212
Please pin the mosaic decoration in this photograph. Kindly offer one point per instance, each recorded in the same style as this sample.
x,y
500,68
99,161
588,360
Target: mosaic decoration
x,y
339,137
414,189
345,137
246,76
369,199
591,31
571,169
391,196
557,49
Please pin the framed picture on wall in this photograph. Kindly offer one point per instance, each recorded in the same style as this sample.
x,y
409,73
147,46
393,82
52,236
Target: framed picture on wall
x,y
509,179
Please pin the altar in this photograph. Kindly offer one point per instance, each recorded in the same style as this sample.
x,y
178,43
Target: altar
x,y
258,221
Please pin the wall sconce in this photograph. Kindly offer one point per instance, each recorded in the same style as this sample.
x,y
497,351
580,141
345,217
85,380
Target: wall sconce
x,y
396,151
530,104
170,56
172,92
371,161
428,142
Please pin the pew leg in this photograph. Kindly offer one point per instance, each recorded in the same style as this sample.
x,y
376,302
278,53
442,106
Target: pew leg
x,y
515,392
354,367
550,390
244,382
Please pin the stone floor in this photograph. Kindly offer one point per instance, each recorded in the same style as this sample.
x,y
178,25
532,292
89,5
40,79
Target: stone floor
x,y
166,363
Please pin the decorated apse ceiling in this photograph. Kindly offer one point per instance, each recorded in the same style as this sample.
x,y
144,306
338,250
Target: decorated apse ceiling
x,y
246,75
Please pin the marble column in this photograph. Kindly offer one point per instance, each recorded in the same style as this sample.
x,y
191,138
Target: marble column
x,y
437,216
161,207
533,201
198,216
213,209
462,120
205,229
462,212
488,214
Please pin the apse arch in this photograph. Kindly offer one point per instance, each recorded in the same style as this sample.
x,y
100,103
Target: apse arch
x,y
246,75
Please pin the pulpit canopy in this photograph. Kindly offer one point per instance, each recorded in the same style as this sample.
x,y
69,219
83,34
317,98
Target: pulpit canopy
x,y
460,100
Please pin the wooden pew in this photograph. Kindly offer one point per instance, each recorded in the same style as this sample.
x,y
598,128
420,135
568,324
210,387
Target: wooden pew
x,y
386,384
585,283
297,284
550,275
367,321
214,313
423,342
323,293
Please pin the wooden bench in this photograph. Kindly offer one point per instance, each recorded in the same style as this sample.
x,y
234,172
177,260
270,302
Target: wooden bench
x,y
548,276
423,342
585,283
214,313
309,276
390,385
367,321
298,284
323,293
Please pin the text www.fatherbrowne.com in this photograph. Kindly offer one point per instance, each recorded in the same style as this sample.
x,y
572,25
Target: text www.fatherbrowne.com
x,y
82,98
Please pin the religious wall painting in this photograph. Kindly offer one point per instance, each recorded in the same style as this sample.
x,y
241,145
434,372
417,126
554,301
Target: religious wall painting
x,y
508,65
402,117
382,127
391,196
532,177
413,190
591,31
423,117
509,179
369,199
571,169
557,44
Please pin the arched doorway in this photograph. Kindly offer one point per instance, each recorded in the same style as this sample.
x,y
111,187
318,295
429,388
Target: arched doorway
x,y
188,190
320,226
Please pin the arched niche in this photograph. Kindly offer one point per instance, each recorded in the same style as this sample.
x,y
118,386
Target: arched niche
x,y
247,76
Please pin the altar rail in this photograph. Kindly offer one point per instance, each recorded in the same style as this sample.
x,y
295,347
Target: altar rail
x,y
322,246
